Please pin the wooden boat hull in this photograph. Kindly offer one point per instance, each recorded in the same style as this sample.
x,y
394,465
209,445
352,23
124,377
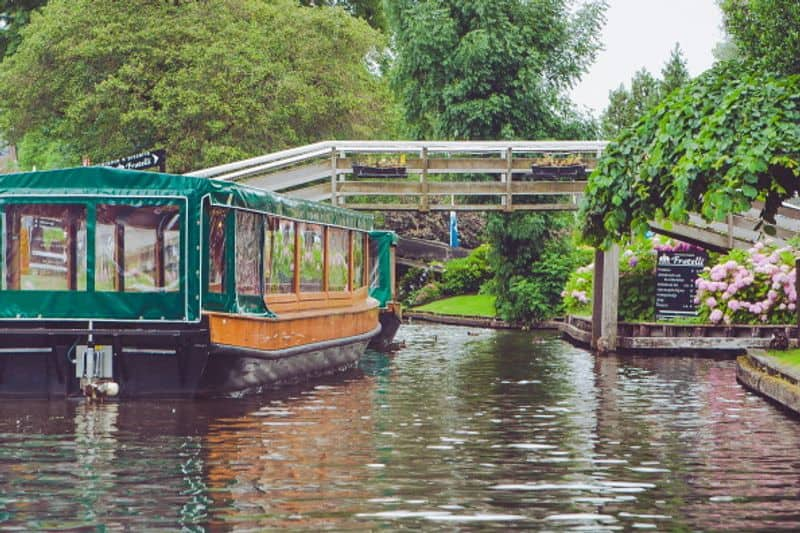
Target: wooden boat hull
x,y
234,370
250,354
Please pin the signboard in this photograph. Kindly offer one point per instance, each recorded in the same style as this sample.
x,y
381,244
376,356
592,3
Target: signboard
x,y
154,158
676,273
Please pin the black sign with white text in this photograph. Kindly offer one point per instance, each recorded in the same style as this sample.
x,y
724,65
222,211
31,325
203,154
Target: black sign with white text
x,y
154,158
676,273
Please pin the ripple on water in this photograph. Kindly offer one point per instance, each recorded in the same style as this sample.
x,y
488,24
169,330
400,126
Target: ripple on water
x,y
450,432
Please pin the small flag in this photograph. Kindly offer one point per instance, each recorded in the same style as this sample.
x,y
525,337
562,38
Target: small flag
x,y
454,242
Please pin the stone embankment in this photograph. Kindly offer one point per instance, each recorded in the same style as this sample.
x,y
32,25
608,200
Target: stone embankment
x,y
770,377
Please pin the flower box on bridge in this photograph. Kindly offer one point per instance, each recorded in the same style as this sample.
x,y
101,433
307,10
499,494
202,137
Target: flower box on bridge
x,y
556,172
361,171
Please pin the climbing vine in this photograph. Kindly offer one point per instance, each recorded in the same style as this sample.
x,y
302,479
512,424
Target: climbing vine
x,y
728,138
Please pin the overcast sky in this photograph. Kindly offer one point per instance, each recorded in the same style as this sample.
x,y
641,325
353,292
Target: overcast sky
x,y
641,33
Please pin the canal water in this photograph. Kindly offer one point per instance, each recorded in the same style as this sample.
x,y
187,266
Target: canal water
x,y
459,429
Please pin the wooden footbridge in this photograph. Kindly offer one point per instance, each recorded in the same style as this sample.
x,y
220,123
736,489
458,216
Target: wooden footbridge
x,y
451,175
421,175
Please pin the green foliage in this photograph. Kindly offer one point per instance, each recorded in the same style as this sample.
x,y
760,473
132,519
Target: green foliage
x,y
468,274
14,15
211,81
428,293
411,282
674,74
727,138
483,69
637,282
369,10
626,107
532,257
766,30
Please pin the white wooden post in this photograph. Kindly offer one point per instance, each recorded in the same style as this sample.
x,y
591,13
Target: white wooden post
x,y
334,196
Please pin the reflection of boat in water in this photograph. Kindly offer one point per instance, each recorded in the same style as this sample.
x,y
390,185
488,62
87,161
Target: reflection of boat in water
x,y
168,465
162,285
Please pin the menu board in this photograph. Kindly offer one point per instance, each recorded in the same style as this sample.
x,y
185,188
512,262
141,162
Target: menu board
x,y
676,273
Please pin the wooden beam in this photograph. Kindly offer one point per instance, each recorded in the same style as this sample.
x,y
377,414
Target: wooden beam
x,y
699,236
609,299
597,297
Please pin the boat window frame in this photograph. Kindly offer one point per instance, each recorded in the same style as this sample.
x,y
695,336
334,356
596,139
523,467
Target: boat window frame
x,y
322,293
150,305
364,282
292,296
347,291
71,259
232,302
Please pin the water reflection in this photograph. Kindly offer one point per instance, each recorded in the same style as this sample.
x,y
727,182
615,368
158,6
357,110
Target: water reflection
x,y
457,429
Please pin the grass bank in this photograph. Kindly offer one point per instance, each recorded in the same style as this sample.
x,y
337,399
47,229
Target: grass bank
x,y
790,357
466,305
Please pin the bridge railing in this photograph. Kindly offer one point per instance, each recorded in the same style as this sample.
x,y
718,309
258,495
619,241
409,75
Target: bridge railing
x,y
326,171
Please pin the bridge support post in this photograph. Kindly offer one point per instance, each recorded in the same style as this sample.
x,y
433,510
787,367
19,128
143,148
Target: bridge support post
x,y
508,178
423,178
605,300
334,164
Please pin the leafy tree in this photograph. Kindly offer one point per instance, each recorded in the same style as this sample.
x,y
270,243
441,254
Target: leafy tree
x,y
489,69
14,14
369,10
727,138
211,81
766,30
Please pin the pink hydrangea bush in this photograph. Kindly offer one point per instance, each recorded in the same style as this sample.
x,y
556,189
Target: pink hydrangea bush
x,y
637,279
756,286
577,293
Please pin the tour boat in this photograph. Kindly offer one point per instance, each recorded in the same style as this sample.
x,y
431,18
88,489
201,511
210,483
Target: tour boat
x,y
149,284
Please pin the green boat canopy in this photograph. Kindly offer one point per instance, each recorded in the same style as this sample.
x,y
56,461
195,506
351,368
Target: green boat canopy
x,y
62,255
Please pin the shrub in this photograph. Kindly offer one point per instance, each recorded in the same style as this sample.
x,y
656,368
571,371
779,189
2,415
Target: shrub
x,y
756,286
411,282
468,274
537,297
430,292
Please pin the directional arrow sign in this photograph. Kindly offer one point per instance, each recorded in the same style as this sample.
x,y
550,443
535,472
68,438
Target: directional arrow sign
x,y
154,158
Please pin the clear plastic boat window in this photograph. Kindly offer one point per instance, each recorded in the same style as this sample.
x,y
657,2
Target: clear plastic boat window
x,y
45,247
374,265
358,260
282,242
137,249
312,251
338,259
248,243
216,250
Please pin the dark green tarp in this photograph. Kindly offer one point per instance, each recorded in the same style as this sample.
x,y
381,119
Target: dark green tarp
x,y
91,186
380,287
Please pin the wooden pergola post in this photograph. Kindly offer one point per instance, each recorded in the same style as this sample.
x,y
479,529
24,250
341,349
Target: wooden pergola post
x,y
605,299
